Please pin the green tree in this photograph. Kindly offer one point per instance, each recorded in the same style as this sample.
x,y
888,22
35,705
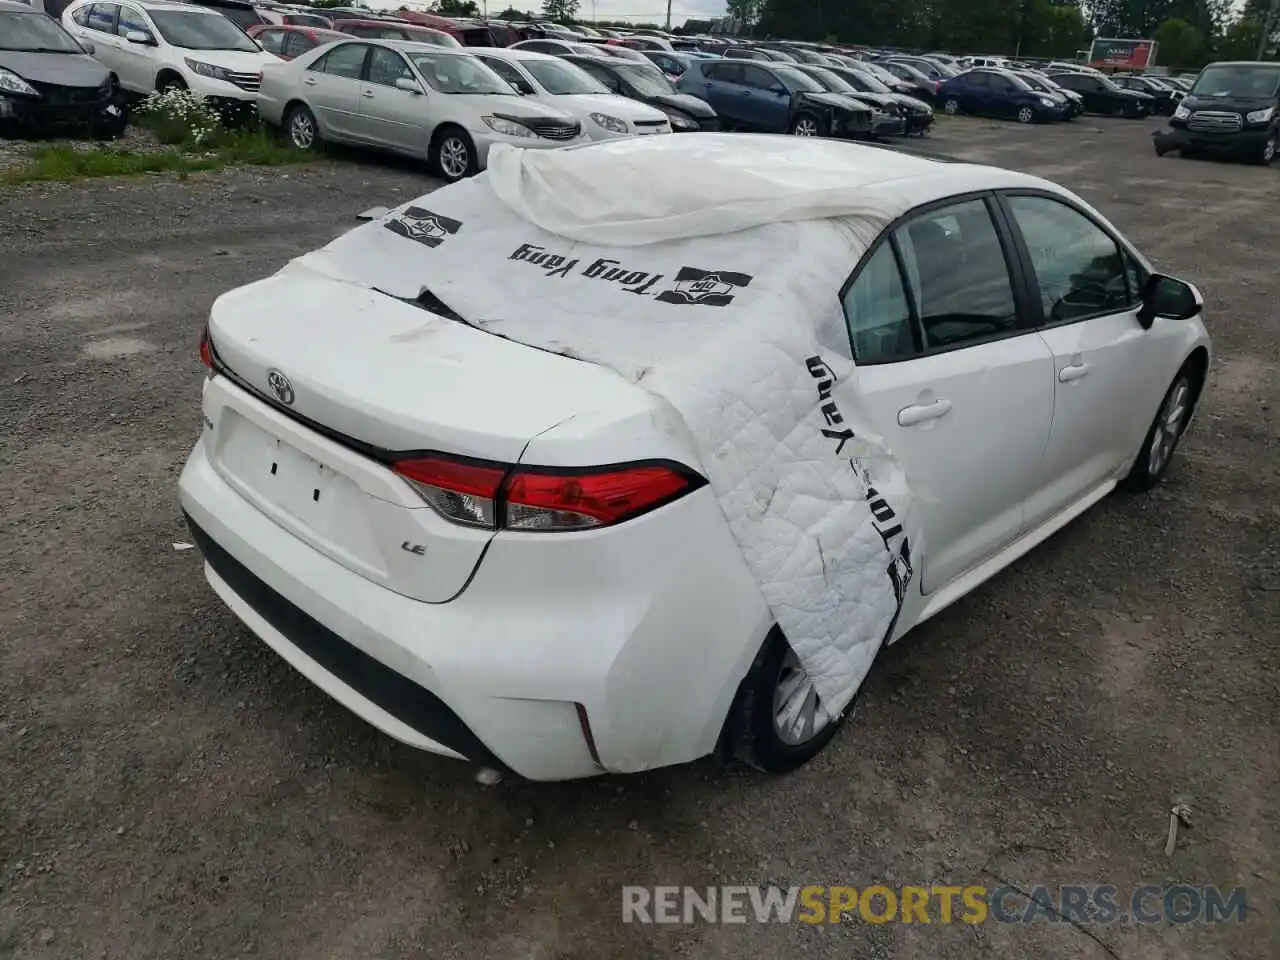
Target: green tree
x,y
456,8
511,13
1240,40
744,11
1180,45
560,11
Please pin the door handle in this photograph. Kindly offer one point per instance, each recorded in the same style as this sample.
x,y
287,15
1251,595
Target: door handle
x,y
310,81
366,93
922,412
1072,372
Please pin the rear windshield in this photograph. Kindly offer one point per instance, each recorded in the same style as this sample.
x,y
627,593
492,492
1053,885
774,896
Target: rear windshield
x,y
1244,80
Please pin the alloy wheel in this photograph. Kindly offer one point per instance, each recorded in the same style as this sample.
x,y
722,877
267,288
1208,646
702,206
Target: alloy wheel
x,y
1025,115
952,107
805,127
1269,150
302,131
798,713
455,158
1169,427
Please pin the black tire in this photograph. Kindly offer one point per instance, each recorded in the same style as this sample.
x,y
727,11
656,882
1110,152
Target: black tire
x,y
170,81
300,127
453,155
806,121
752,732
1146,471
1267,152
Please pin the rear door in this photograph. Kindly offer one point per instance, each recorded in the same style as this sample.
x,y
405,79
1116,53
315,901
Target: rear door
x,y
724,90
332,85
766,108
137,70
1109,373
975,92
100,30
954,379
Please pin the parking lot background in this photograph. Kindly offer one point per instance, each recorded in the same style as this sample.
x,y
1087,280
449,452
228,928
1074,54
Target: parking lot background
x,y
171,788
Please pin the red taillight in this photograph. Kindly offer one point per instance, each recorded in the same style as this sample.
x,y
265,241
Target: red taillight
x,y
535,500
458,490
937,86
206,348
576,501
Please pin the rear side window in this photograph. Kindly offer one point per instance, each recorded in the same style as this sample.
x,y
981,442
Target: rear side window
x,y
272,41
296,44
724,72
346,61
102,16
877,311
957,275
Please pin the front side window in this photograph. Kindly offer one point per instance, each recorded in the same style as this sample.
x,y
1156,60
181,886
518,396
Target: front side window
x,y
507,72
877,311
1079,268
345,61
758,77
958,275
387,66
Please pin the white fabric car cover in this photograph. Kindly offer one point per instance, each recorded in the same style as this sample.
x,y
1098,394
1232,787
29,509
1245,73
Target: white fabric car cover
x,y
708,270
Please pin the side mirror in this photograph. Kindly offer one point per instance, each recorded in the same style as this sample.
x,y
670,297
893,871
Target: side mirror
x,y
88,47
137,36
1168,298
779,89
525,89
409,86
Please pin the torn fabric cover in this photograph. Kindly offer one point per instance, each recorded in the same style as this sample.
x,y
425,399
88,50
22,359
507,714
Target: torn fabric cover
x,y
728,310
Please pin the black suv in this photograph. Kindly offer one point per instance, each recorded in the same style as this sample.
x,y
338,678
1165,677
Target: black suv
x,y
1101,95
1233,109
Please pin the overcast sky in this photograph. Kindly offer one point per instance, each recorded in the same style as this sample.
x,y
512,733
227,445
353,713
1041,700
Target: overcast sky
x,y
650,11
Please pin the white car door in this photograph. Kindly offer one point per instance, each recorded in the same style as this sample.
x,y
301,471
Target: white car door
x,y
137,70
332,84
97,24
959,387
1109,372
389,116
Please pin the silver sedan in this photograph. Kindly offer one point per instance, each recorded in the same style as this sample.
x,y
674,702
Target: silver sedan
x,y
426,101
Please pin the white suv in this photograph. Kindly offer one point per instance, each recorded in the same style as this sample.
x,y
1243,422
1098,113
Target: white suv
x,y
157,45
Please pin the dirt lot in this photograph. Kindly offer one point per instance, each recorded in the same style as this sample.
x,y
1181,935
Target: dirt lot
x,y
170,788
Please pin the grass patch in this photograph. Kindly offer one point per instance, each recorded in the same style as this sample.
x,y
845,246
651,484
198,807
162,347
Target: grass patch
x,y
52,162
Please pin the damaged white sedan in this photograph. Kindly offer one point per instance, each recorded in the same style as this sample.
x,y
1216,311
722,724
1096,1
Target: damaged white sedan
x,y
618,456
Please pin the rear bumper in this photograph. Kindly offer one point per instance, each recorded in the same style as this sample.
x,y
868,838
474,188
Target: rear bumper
x,y
546,643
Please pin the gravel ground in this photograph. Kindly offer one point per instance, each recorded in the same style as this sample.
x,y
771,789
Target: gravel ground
x,y
173,789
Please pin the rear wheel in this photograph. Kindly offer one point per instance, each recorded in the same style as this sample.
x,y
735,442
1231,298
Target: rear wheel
x,y
780,722
1166,430
300,127
951,106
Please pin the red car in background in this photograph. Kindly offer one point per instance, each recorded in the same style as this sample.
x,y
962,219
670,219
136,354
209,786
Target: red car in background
x,y
394,30
467,33
287,42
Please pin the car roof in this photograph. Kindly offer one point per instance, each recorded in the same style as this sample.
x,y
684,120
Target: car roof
x,y
177,5
510,53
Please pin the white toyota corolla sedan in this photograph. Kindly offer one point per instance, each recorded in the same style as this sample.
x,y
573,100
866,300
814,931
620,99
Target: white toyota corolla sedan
x,y
570,488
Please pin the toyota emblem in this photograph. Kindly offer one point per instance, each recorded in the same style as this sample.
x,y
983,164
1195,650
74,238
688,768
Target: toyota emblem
x,y
280,387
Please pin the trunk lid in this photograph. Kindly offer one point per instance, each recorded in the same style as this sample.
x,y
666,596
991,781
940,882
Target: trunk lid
x,y
331,382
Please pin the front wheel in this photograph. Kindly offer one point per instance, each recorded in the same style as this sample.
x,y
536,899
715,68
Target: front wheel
x,y
806,125
300,127
453,157
951,106
1026,115
1267,152
1166,430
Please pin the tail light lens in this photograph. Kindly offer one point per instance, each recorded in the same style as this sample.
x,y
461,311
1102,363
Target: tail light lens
x,y
458,490
206,348
544,500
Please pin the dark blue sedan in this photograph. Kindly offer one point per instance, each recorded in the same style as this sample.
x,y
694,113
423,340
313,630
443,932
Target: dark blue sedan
x,y
998,93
